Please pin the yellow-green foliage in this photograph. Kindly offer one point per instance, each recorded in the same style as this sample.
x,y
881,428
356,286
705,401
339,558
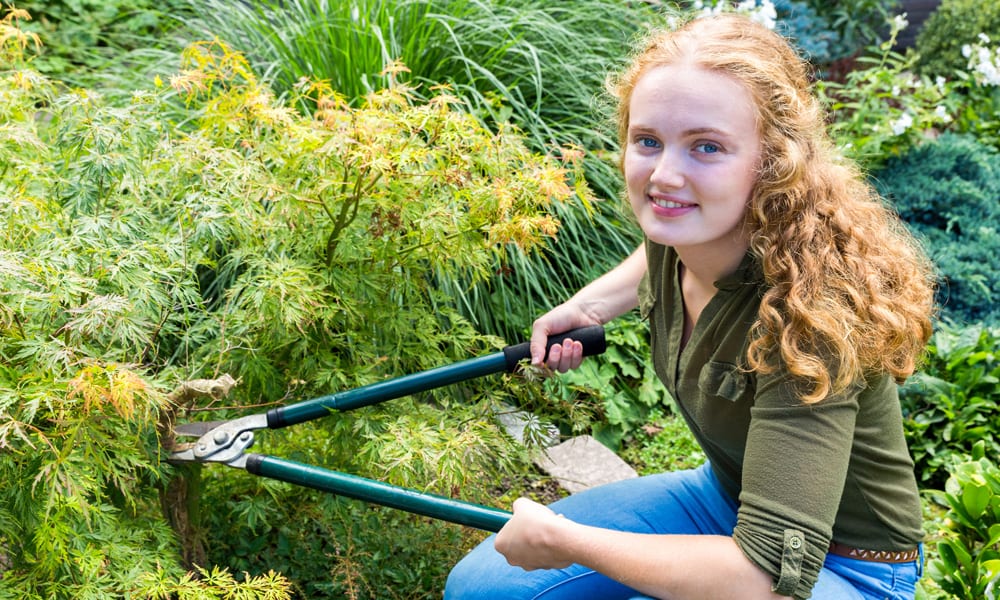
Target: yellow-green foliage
x,y
208,227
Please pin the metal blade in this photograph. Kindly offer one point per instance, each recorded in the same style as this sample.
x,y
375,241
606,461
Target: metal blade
x,y
222,441
196,428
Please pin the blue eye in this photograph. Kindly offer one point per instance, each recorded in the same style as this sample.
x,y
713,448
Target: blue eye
x,y
708,148
648,142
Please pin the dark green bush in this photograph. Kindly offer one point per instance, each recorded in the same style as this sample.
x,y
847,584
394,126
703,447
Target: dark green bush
x,y
953,403
811,33
954,24
82,36
948,192
857,23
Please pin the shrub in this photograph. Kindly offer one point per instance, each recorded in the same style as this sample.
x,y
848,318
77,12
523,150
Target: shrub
x,y
329,547
952,25
968,562
882,108
811,34
948,192
952,403
858,23
289,250
514,63
81,37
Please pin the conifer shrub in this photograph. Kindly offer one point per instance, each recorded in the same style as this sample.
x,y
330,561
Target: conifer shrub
x,y
948,192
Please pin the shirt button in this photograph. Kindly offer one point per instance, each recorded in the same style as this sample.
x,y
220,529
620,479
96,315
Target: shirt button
x,y
795,542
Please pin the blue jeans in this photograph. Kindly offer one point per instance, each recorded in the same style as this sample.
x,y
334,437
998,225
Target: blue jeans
x,y
683,502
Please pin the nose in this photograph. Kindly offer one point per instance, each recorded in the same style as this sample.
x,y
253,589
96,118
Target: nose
x,y
667,173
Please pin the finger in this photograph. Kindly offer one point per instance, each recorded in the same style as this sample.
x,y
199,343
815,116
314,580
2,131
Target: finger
x,y
554,360
575,353
539,339
570,356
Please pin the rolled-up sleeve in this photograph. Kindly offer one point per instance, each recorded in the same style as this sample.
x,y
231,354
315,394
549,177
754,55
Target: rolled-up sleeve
x,y
794,470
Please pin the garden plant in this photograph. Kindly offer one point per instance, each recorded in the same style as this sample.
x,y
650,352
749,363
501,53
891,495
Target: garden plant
x,y
288,252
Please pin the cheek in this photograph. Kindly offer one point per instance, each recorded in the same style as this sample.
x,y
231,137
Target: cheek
x,y
743,186
633,170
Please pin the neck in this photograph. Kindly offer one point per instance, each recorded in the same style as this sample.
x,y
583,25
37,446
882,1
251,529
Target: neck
x,y
708,264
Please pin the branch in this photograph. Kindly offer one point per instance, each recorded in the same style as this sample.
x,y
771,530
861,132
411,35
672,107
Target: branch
x,y
188,391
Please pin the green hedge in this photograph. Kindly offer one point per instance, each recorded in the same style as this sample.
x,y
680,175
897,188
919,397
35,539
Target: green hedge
x,y
954,24
948,192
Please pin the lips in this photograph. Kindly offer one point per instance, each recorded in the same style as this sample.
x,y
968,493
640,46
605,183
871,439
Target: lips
x,y
669,207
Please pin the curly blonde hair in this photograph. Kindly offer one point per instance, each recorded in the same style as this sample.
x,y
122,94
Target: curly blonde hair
x,y
850,292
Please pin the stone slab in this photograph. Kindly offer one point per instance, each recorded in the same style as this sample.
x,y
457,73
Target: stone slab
x,y
583,462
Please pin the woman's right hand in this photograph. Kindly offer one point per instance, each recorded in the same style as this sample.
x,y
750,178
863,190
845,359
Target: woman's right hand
x,y
608,297
567,355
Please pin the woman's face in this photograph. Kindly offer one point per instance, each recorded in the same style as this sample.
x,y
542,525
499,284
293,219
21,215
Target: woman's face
x,y
691,158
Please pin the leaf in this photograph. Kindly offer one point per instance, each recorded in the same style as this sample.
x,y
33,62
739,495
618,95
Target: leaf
x,y
975,498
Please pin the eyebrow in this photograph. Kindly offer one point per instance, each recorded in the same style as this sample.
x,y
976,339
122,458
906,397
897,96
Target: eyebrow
x,y
687,132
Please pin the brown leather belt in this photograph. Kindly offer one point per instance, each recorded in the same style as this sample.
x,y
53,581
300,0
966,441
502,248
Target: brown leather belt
x,y
884,556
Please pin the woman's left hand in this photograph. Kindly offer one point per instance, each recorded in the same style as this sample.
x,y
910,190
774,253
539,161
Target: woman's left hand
x,y
530,539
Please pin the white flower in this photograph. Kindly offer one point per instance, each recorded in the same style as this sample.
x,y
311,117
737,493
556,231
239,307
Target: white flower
x,y
900,125
895,91
986,65
984,38
983,63
942,113
940,82
991,74
767,15
899,22
714,8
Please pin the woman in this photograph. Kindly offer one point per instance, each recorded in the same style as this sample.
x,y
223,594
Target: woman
x,y
784,303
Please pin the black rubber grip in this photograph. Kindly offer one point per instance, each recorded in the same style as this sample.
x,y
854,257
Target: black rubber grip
x,y
253,463
276,418
591,337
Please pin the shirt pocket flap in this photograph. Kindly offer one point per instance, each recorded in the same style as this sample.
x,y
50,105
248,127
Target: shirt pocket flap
x,y
722,380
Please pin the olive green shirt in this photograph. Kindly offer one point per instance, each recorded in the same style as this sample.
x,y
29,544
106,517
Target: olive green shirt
x,y
803,475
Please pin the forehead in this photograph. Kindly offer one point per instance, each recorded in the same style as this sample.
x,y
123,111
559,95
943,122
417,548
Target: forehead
x,y
691,94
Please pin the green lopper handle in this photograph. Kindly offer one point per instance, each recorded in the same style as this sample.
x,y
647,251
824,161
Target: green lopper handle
x,y
591,337
368,490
